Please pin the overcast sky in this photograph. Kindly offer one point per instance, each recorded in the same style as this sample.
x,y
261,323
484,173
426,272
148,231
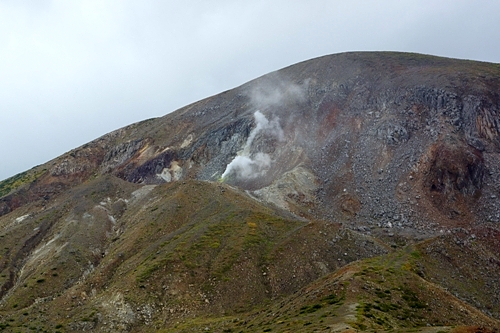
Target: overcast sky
x,y
71,70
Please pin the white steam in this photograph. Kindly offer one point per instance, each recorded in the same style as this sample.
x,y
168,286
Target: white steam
x,y
277,92
271,93
248,168
263,125
245,166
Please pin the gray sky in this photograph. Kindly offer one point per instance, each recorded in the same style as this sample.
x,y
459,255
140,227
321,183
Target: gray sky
x,y
73,70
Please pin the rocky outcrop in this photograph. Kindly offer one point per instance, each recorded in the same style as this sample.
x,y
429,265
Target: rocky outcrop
x,y
454,172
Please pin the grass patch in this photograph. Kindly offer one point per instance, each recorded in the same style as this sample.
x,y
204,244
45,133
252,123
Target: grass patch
x,y
333,299
12,183
411,299
147,272
310,308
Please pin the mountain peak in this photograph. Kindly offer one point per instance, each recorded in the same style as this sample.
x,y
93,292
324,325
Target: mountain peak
x,y
344,157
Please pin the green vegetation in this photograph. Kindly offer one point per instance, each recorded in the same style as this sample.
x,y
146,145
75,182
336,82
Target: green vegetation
x,y
19,180
310,308
184,252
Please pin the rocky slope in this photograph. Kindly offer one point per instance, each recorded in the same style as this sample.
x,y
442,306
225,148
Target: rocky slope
x,y
206,216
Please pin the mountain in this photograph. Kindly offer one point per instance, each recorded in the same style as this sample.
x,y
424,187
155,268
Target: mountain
x,y
351,192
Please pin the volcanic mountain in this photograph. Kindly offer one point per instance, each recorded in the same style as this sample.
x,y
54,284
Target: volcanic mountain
x,y
351,192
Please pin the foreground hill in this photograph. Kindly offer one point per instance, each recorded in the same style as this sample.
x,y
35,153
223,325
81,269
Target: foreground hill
x,y
353,191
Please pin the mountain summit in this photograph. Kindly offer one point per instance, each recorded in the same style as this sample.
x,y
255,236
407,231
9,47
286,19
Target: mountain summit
x,y
352,191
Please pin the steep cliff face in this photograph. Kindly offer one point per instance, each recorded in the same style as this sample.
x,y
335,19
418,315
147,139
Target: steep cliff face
x,y
402,147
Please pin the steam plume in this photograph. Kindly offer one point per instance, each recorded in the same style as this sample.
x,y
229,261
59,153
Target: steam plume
x,y
273,93
277,91
244,166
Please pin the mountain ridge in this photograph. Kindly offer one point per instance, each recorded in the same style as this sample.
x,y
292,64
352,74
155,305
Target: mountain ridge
x,y
337,159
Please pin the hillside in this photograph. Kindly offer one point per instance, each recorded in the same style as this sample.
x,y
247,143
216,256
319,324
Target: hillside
x,y
356,191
